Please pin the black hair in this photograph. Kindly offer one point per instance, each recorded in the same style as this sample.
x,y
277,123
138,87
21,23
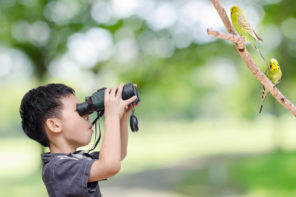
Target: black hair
x,y
38,105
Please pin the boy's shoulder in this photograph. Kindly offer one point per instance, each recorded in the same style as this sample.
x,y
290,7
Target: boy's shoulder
x,y
78,155
54,164
69,173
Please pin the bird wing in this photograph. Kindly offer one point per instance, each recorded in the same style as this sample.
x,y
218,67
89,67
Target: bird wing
x,y
244,24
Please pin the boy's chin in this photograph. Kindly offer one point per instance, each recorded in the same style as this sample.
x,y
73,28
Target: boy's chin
x,y
83,143
86,143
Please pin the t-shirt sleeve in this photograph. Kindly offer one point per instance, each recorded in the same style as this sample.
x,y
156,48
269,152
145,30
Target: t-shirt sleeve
x,y
71,176
95,155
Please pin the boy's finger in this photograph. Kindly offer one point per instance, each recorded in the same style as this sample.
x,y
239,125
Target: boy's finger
x,y
130,100
113,91
120,89
107,92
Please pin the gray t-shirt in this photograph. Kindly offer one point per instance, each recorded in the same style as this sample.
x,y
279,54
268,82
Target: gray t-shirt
x,y
66,175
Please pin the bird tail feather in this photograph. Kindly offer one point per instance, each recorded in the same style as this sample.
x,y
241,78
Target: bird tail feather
x,y
262,56
258,38
264,94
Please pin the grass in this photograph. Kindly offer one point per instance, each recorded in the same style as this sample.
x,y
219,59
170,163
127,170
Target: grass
x,y
20,173
163,144
23,186
264,175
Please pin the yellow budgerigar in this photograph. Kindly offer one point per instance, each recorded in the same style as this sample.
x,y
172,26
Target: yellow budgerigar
x,y
274,74
244,29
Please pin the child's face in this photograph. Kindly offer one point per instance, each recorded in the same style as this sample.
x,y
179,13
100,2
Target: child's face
x,y
77,130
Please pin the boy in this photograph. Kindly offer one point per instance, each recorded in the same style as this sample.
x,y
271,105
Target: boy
x,y
49,116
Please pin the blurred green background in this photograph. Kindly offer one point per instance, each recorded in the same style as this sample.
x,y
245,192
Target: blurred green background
x,y
200,131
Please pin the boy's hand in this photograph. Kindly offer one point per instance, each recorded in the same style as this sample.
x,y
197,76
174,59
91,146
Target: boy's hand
x,y
114,105
127,112
128,109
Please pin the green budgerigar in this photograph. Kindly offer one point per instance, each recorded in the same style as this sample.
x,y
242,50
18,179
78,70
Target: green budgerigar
x,y
274,74
244,29
242,26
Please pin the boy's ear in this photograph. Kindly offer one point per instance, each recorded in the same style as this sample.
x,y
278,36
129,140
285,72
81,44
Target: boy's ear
x,y
54,125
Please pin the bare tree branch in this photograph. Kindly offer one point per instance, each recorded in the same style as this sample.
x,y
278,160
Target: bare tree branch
x,y
227,36
239,43
224,17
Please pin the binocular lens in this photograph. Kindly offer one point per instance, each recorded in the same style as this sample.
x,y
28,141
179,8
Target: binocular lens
x,y
129,90
95,102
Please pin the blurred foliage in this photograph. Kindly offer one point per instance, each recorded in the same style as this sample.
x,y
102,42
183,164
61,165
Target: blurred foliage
x,y
196,79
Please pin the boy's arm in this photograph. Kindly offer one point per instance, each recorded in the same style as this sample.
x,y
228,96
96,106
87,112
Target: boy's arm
x,y
124,129
108,163
110,154
124,133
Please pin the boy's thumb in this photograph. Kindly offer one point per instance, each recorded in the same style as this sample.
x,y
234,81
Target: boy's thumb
x,y
130,100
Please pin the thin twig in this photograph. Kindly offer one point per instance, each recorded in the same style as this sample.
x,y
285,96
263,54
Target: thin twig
x,y
227,36
232,36
224,17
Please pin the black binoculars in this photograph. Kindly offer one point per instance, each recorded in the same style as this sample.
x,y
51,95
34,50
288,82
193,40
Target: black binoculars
x,y
95,103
